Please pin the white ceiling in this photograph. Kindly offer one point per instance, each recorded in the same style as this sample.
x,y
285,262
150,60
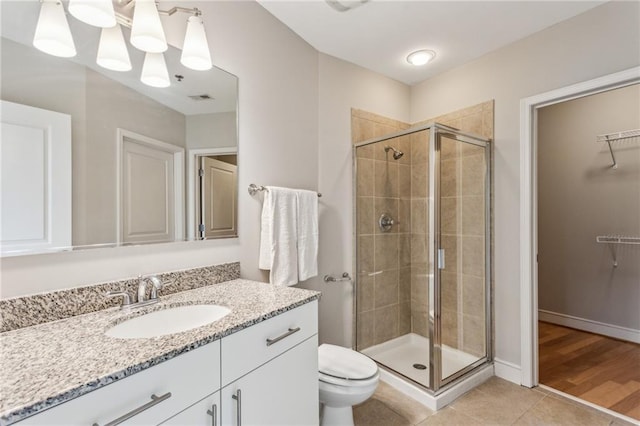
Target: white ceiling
x,y
378,35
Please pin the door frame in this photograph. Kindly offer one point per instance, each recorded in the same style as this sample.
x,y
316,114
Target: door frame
x,y
178,178
529,206
192,168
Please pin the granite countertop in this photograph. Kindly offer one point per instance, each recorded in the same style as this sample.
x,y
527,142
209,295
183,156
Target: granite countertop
x,y
48,364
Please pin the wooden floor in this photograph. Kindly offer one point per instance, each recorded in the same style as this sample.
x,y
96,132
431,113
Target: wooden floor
x,y
595,368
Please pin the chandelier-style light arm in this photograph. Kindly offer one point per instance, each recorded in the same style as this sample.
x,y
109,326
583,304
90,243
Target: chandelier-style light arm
x,y
195,11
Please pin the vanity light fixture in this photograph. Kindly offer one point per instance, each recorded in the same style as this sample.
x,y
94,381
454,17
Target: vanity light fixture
x,y
421,57
112,50
146,30
195,51
98,13
154,71
53,35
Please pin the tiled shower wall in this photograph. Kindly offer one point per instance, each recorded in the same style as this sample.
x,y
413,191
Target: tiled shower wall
x,y
383,185
392,267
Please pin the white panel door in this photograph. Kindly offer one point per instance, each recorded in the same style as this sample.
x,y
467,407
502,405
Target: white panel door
x,y
218,198
148,203
35,157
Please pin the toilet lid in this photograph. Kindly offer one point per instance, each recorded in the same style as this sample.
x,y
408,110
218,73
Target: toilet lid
x,y
344,363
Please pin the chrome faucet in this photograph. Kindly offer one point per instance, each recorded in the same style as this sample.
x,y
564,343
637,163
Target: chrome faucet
x,y
142,289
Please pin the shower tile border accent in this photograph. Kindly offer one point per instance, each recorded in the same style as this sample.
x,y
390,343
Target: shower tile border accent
x,y
26,311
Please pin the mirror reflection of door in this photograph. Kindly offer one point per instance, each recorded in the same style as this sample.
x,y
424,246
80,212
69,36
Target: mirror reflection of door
x,y
217,196
151,174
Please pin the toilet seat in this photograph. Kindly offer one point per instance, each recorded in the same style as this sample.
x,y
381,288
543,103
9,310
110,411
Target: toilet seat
x,y
345,367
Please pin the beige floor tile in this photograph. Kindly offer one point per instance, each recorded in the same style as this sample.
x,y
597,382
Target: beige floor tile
x,y
497,402
620,422
554,411
450,417
407,407
374,413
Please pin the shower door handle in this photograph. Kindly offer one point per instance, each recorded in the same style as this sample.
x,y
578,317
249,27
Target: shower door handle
x,y
440,258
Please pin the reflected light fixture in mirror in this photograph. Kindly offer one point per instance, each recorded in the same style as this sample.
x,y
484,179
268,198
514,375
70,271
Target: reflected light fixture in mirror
x,y
53,35
98,13
154,71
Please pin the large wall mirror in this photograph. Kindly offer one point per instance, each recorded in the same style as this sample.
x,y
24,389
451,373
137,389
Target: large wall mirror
x,y
93,157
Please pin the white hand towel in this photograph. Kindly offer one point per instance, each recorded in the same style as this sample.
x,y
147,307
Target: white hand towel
x,y
307,226
278,239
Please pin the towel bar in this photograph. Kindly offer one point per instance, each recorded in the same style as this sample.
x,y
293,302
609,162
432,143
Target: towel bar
x,y
253,189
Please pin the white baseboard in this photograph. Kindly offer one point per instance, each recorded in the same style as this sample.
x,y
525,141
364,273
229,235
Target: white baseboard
x,y
508,371
615,331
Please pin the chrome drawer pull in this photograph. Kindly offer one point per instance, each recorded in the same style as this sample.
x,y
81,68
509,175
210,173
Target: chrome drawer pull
x,y
287,334
238,398
214,414
155,400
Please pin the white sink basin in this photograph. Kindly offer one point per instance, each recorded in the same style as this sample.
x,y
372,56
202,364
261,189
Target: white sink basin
x,y
168,321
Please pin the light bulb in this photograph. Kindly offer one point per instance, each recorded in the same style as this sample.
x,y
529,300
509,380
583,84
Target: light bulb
x,y
195,51
98,13
112,50
146,30
421,57
154,71
53,35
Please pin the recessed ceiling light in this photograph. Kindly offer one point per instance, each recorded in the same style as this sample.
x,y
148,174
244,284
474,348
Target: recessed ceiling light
x,y
420,57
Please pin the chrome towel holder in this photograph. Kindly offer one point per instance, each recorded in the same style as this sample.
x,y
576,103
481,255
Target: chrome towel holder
x,y
253,189
332,279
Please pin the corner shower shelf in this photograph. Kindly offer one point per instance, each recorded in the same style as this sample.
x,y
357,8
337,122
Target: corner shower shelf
x,y
618,136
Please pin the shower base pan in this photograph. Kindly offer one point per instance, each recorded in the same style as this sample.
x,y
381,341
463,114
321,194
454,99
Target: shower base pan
x,y
408,355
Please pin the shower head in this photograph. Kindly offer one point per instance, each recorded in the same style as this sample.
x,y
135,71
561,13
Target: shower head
x,y
396,154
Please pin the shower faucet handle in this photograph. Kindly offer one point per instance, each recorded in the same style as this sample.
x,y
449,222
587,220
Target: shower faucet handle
x,y
385,222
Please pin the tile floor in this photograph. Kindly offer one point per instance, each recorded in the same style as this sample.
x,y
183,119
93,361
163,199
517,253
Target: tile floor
x,y
495,402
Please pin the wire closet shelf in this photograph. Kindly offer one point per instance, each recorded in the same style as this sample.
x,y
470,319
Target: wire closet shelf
x,y
617,136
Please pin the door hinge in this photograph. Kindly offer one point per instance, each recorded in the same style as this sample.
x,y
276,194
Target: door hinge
x,y
200,172
201,227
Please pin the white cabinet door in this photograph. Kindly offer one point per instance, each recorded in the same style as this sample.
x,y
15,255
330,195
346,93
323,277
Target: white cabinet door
x,y
203,413
283,391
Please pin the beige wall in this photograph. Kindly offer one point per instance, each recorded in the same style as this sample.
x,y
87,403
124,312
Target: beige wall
x,y
216,130
601,41
580,197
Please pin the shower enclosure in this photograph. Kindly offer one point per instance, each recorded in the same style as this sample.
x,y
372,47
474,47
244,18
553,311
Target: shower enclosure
x,y
422,218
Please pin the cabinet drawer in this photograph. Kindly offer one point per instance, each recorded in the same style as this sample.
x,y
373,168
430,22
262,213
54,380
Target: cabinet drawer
x,y
188,377
252,347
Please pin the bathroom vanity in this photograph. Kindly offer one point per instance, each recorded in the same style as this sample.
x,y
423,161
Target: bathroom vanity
x,y
257,365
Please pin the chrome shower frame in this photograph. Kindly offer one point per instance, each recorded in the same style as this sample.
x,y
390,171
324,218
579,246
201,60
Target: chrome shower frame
x,y
437,384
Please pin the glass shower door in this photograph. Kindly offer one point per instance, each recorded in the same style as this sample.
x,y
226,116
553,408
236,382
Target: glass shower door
x,y
461,253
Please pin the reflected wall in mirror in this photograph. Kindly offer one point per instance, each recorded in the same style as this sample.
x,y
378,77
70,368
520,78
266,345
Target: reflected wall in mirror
x,y
135,151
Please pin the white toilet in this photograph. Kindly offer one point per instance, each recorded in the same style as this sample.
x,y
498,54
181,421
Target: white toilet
x,y
346,378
